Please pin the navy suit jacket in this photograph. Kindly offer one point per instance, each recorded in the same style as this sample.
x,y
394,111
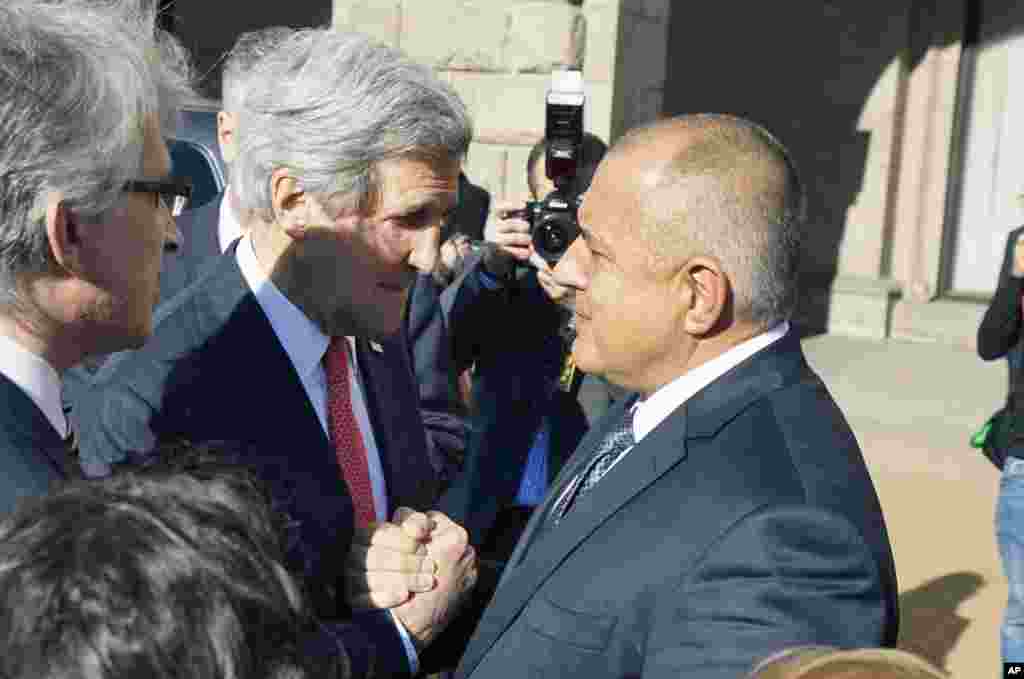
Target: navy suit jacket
x,y
512,336
32,456
744,523
434,366
215,371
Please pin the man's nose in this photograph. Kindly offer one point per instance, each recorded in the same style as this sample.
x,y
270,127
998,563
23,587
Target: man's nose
x,y
426,250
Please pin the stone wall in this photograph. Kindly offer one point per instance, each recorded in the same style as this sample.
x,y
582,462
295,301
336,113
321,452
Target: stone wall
x,y
498,54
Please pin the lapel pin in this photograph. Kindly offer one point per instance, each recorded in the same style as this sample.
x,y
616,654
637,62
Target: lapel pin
x,y
377,347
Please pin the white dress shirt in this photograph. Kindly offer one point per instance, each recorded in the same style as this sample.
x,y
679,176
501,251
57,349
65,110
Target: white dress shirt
x,y
652,411
306,345
228,226
37,378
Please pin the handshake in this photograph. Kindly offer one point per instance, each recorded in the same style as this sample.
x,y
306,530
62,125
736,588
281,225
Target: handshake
x,y
421,566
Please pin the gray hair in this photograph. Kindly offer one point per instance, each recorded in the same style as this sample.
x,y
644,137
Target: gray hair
x,y
750,216
330,105
79,78
249,49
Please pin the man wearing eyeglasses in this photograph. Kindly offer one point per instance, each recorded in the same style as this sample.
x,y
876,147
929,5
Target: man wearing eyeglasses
x,y
86,209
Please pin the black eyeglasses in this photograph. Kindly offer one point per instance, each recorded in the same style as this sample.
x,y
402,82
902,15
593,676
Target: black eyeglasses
x,y
173,194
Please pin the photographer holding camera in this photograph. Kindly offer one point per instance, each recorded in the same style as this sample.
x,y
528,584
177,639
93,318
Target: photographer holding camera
x,y
504,316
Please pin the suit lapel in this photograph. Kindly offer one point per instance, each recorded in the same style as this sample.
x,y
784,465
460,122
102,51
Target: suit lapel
x,y
408,474
29,425
241,335
544,547
542,550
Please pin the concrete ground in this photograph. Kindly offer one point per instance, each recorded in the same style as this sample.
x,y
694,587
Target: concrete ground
x,y
913,408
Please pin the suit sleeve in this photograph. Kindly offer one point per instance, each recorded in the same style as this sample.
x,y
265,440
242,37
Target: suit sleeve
x,y
1000,328
469,306
780,577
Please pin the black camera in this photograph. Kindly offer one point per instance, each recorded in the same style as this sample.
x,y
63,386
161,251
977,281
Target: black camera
x,y
553,221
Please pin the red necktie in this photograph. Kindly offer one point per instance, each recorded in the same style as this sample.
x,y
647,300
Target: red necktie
x,y
348,441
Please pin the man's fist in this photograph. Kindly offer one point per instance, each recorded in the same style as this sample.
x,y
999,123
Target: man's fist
x,y
388,562
426,614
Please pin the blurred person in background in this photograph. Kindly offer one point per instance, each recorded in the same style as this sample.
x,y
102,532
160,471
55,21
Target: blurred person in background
x,y
88,91
999,335
208,230
823,662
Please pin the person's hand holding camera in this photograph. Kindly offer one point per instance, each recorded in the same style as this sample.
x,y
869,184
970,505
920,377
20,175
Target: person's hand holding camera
x,y
545,276
510,237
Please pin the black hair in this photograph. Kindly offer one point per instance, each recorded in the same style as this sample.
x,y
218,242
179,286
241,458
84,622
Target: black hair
x,y
169,570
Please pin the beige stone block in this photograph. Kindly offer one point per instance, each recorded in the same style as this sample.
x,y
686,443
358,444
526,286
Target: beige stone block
x,y
486,166
645,52
381,19
455,34
516,185
602,51
502,101
599,116
543,36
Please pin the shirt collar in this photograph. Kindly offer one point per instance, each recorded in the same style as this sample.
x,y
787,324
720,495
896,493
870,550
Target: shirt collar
x,y
228,226
37,378
650,412
303,341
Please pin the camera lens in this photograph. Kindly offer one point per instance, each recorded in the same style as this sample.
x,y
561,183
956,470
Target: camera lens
x,y
553,236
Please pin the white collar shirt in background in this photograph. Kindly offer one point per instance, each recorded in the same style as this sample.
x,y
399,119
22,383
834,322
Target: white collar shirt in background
x,y
37,378
228,225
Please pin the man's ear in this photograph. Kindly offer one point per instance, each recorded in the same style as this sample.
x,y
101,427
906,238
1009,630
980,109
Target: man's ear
x,y
708,292
64,233
290,203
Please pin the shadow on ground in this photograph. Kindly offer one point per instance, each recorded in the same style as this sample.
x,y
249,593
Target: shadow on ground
x,y
929,623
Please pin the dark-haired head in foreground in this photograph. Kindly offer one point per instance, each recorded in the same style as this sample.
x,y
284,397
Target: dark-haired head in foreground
x,y
171,570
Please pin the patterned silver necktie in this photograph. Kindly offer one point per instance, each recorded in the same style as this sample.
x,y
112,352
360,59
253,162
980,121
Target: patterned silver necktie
x,y
615,444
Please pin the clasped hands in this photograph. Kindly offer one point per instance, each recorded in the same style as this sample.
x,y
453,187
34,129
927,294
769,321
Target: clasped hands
x,y
420,565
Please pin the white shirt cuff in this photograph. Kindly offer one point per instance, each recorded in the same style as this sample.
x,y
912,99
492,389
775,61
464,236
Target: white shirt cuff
x,y
410,648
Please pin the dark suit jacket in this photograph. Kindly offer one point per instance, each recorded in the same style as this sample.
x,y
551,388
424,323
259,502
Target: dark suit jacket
x,y
215,370
32,455
512,336
744,523
431,356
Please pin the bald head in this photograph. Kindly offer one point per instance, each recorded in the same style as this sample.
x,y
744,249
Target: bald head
x,y
724,187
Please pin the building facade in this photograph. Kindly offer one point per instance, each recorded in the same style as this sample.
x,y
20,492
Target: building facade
x,y
901,116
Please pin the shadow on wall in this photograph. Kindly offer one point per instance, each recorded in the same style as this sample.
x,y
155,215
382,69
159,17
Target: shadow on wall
x,y
929,623
808,74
